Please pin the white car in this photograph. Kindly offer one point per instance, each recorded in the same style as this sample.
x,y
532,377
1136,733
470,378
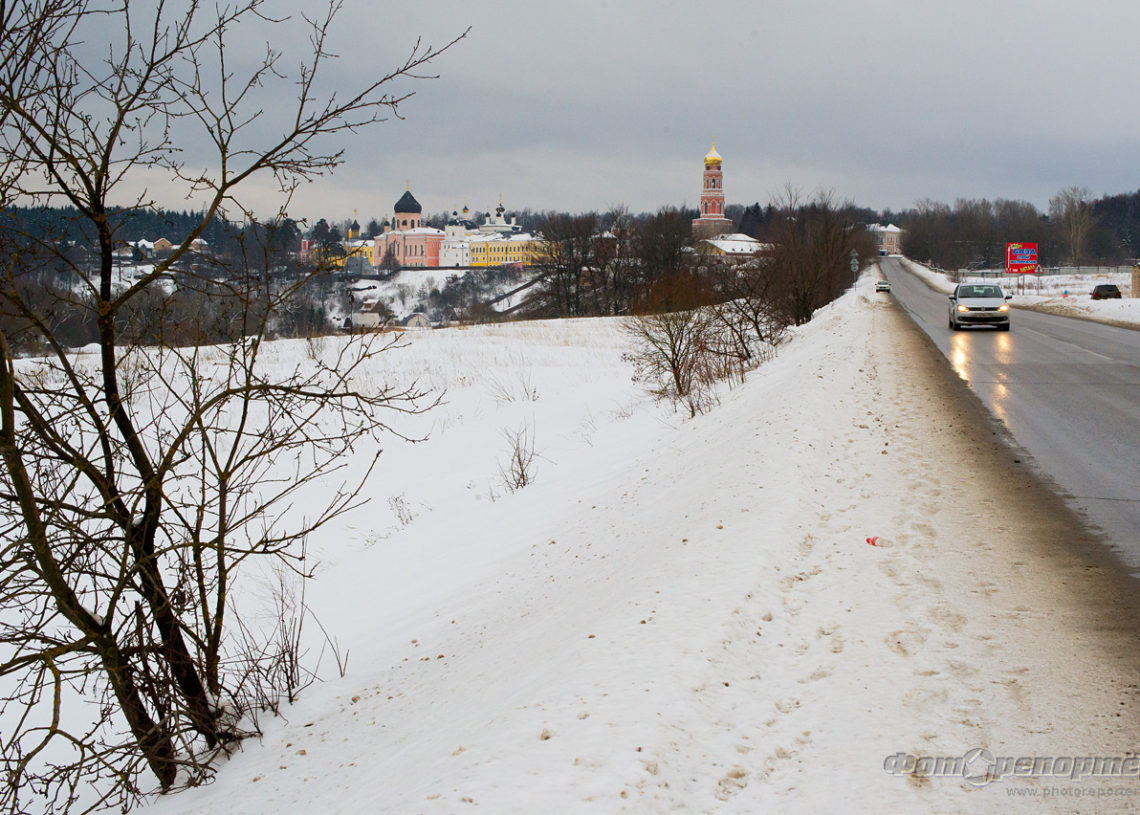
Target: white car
x,y
979,304
882,285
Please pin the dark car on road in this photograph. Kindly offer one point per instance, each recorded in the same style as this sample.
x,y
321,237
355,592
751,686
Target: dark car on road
x,y
1105,291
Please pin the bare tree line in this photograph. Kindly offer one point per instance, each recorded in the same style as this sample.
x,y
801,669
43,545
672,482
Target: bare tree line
x,y
709,320
1076,230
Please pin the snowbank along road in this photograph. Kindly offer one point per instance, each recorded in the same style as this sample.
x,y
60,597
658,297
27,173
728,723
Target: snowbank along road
x,y
780,606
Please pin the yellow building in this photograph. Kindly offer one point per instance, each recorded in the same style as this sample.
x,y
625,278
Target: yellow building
x,y
519,249
358,249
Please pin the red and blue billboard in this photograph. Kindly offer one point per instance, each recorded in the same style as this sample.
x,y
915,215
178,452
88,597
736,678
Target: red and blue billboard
x,y
1021,258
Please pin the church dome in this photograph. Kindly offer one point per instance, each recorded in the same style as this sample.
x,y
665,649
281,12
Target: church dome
x,y
408,204
713,158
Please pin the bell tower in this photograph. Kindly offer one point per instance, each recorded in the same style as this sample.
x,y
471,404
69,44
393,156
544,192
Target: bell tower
x,y
712,221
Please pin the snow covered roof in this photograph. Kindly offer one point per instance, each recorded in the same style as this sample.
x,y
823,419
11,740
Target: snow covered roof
x,y
491,237
736,244
419,230
371,306
879,228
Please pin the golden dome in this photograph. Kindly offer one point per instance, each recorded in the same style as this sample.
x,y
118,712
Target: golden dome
x,y
713,158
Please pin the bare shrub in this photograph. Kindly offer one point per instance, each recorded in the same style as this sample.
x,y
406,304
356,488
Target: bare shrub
x,y
401,509
518,471
673,356
675,341
522,389
749,308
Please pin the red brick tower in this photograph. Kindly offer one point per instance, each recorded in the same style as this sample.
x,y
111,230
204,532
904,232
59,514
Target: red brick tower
x,y
712,221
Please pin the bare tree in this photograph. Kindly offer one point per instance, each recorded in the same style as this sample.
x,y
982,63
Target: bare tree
x,y
661,245
1071,212
677,347
568,262
615,257
390,263
929,232
749,310
672,354
138,481
812,245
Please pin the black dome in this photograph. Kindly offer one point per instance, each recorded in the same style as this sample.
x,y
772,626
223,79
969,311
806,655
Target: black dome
x,y
408,203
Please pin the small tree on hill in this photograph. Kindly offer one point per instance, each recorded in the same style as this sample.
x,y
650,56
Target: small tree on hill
x,y
677,344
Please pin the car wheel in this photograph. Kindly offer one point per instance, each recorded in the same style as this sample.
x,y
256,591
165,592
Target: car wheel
x,y
950,323
1003,327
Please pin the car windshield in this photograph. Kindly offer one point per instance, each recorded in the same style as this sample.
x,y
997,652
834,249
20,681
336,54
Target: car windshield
x,y
979,291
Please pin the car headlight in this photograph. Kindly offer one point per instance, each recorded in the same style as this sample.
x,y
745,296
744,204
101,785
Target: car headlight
x,y
963,308
1003,307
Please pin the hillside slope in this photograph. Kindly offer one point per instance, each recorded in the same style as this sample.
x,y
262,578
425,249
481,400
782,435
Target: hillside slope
x,y
686,616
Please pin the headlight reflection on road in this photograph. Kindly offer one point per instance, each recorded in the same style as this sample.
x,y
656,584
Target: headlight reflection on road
x,y
1003,355
1000,397
959,355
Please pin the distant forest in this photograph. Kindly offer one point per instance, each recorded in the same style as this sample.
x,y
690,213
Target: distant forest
x,y
62,224
254,245
1077,229
972,233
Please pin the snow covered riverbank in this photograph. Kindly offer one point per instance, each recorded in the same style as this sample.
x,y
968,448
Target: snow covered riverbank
x,y
688,615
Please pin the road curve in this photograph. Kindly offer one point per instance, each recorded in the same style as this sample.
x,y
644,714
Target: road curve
x,y
1067,389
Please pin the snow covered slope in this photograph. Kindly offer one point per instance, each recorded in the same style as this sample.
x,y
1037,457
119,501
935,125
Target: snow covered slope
x,y
688,616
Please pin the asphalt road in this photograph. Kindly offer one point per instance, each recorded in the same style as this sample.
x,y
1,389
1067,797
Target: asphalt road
x,y
1067,389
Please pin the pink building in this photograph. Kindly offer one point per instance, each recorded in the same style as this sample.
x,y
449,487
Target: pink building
x,y
405,241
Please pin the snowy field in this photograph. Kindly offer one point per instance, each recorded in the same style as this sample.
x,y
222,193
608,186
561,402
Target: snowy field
x,y
688,615
1065,294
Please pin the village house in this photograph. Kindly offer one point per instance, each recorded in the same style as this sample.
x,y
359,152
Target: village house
x,y
888,239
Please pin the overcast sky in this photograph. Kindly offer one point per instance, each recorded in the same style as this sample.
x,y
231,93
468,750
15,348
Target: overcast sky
x,y
589,104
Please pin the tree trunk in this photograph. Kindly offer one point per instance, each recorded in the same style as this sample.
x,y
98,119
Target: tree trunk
x,y
153,740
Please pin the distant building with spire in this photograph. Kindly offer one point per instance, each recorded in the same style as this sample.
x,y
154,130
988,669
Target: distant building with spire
x,y
712,221
405,241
